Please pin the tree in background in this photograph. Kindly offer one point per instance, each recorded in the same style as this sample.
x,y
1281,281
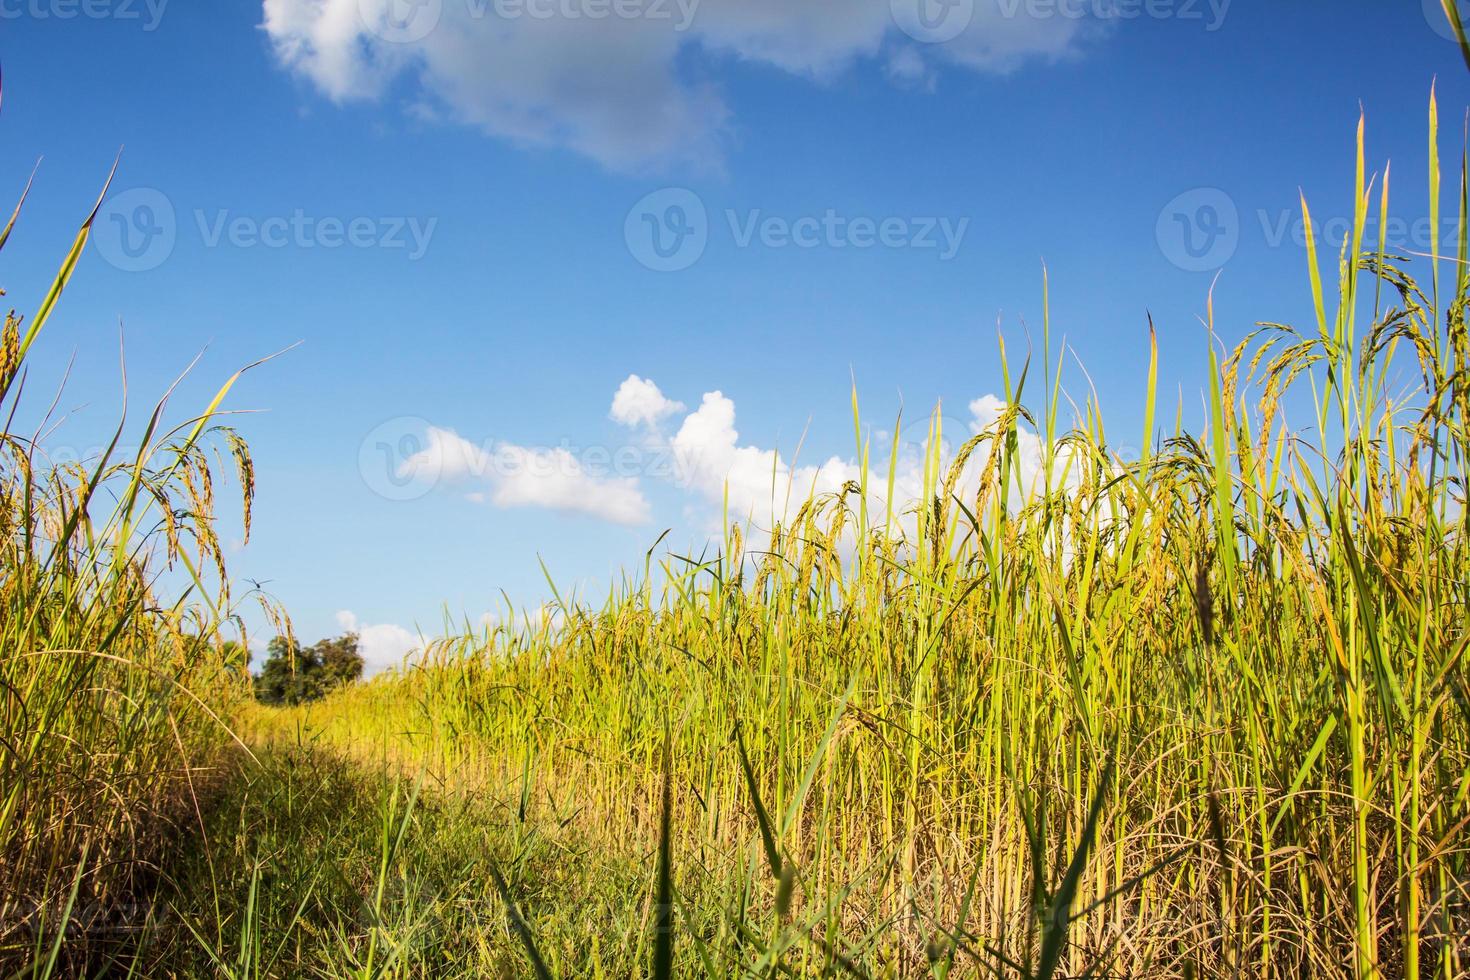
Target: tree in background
x,y
294,674
341,662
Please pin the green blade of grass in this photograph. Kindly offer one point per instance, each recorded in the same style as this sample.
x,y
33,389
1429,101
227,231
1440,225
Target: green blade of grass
x,y
663,942
768,837
1059,914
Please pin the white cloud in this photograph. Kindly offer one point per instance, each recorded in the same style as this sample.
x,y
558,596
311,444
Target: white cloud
x,y
639,402
629,92
985,410
709,461
907,66
446,457
517,476
383,645
604,88
763,487
1002,36
809,37
555,479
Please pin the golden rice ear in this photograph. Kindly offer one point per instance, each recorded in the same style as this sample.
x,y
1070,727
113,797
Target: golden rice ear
x,y
9,350
245,469
737,554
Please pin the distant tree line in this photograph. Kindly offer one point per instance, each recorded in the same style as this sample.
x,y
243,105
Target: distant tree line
x,y
293,674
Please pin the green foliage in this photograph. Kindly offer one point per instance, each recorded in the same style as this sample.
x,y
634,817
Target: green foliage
x,y
1199,710
293,674
110,688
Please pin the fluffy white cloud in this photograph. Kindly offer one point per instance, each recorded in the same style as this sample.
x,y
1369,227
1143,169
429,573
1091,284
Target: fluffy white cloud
x,y
606,88
517,476
555,478
382,645
446,456
706,458
985,411
627,91
639,402
1002,35
763,487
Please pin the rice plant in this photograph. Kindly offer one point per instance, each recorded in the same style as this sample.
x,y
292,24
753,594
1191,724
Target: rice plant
x,y
1201,711
111,687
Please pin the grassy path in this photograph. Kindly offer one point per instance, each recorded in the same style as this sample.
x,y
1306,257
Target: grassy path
x,y
312,864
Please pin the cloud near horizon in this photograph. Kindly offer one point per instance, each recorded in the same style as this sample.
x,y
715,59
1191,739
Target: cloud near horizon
x,y
763,487
700,456
382,646
517,476
631,92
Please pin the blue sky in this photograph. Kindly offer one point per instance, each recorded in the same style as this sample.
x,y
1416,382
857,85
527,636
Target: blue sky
x,y
455,217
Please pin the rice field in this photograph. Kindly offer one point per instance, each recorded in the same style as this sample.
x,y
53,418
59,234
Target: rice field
x,y
1199,711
